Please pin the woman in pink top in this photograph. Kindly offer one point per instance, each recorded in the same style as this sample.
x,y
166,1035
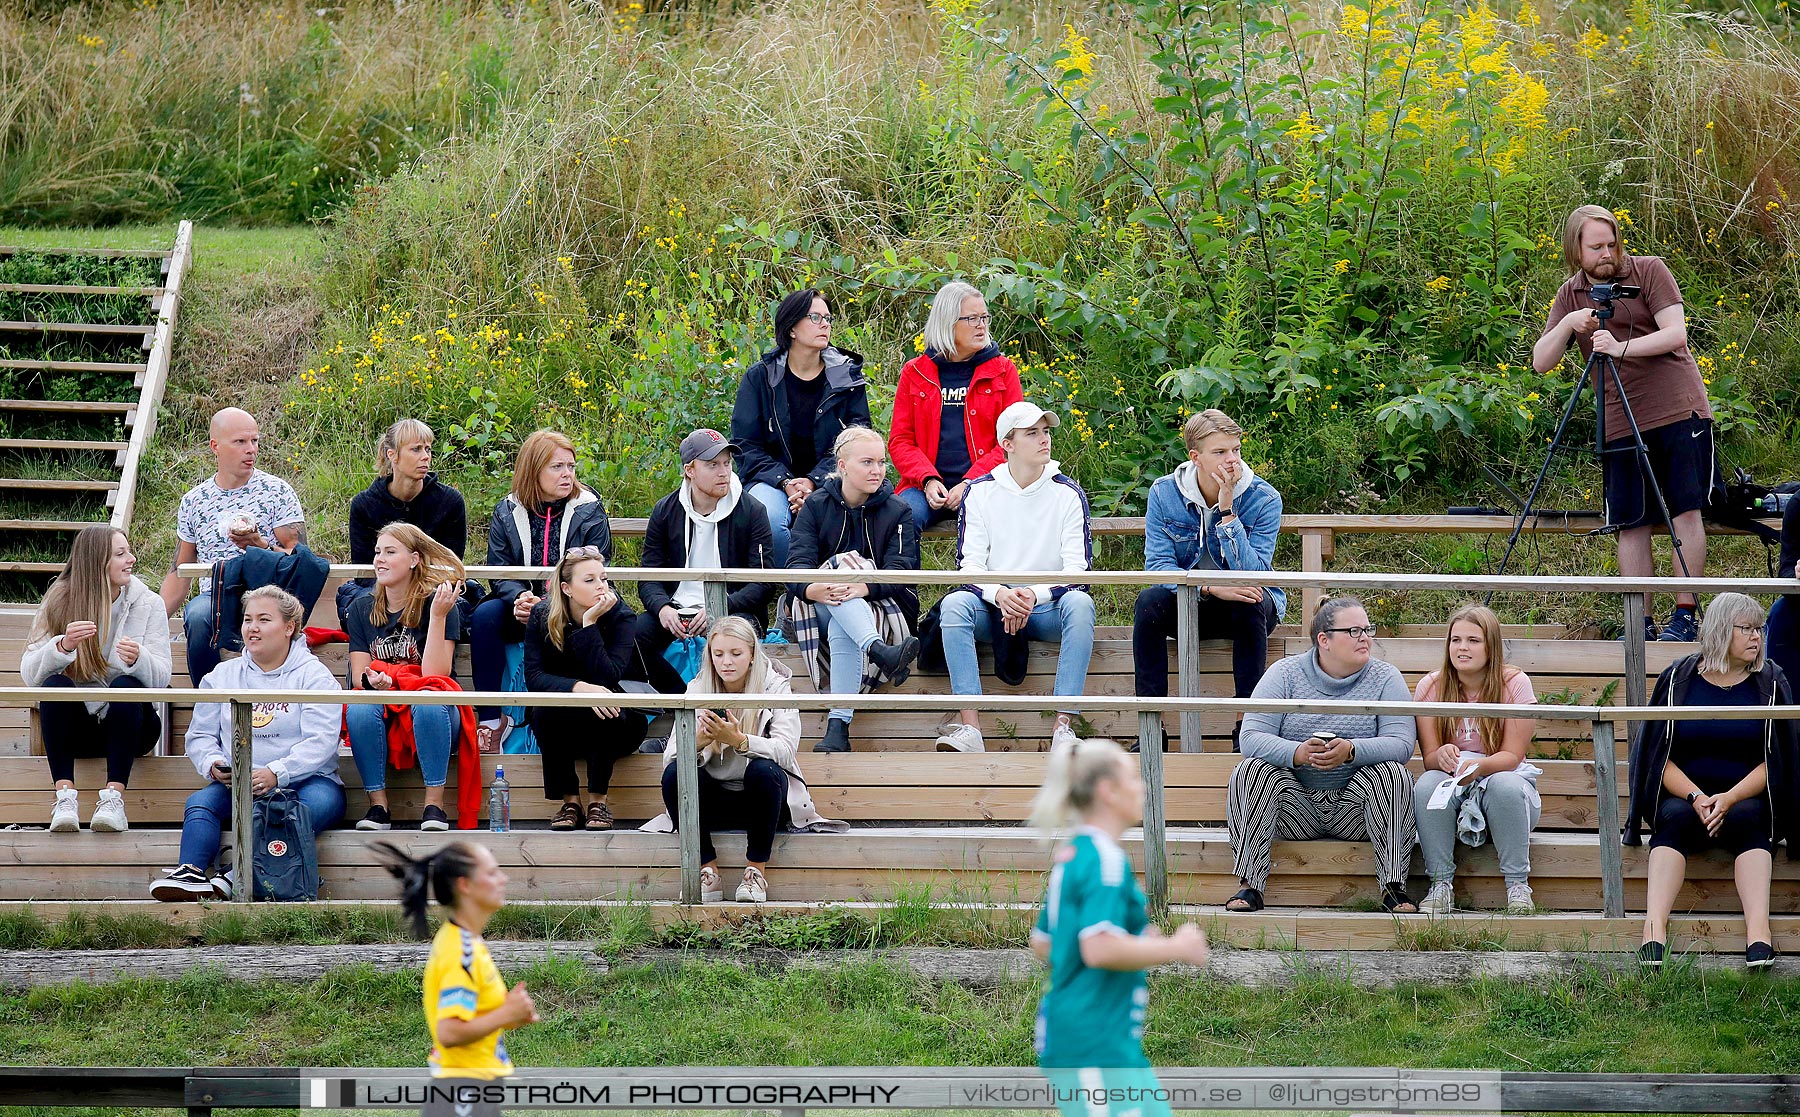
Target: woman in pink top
x,y
1486,758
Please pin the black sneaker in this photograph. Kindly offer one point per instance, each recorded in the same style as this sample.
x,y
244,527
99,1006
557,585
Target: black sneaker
x,y
1683,626
184,883
1650,955
895,660
434,818
1758,955
376,819
837,736
1650,635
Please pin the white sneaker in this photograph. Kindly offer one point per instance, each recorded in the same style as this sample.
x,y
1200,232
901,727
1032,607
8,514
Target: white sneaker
x,y
1441,900
957,737
1063,737
64,818
712,890
109,816
755,888
1518,899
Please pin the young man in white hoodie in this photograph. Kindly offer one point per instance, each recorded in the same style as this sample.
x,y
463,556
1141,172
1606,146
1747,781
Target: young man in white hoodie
x,y
1025,515
704,523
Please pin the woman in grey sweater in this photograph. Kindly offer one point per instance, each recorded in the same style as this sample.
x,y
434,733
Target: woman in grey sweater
x,y
99,626
1326,775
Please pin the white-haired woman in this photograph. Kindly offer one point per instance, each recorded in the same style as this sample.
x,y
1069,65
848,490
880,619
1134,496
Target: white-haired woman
x,y
749,762
404,491
1716,783
941,435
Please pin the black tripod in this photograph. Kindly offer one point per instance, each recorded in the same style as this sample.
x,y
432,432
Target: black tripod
x,y
1599,367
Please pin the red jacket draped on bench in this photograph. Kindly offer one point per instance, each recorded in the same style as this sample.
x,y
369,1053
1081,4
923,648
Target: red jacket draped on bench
x,y
402,753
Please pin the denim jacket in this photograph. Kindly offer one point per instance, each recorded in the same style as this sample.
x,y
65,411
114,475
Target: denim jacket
x,y
1175,523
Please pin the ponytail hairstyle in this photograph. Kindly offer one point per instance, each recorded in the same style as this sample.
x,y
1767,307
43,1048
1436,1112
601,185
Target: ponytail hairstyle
x,y
403,433
421,878
847,438
1071,779
82,593
437,564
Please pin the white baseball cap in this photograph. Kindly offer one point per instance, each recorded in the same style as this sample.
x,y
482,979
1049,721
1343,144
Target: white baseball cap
x,y
1022,414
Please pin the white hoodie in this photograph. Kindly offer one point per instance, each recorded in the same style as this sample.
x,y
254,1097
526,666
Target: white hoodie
x,y
703,541
136,613
1043,526
293,740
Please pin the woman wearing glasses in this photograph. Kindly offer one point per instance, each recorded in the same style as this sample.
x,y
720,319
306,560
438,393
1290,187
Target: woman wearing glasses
x,y
949,398
791,407
581,639
1717,783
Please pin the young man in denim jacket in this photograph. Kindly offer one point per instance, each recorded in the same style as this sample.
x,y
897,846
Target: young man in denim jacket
x,y
1212,513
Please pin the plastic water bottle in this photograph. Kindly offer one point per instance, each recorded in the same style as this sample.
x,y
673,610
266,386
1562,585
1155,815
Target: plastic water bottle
x,y
500,803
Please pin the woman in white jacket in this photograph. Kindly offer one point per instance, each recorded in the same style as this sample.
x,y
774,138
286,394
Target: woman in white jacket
x,y
293,744
98,626
749,762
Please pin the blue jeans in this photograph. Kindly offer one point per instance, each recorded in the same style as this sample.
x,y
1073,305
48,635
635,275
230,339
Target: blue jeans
x,y
490,629
434,730
775,503
1069,620
851,628
197,619
209,809
924,515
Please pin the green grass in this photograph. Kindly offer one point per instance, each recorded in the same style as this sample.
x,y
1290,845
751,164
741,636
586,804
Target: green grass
x,y
873,1013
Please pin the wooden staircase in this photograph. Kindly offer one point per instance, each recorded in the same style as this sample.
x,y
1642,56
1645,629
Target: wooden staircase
x,y
72,428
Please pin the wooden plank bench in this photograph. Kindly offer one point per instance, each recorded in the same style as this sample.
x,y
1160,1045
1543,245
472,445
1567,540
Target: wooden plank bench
x,y
876,864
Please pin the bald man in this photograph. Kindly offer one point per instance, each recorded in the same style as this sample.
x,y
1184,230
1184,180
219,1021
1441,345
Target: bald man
x,y
237,508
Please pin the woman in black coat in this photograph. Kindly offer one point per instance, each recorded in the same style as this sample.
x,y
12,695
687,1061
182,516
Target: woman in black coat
x,y
581,639
855,511
1724,783
791,406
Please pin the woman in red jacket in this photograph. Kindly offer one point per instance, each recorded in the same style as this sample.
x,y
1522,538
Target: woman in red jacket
x,y
949,398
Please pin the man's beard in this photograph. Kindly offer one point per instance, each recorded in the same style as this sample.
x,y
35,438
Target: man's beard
x,y
1605,269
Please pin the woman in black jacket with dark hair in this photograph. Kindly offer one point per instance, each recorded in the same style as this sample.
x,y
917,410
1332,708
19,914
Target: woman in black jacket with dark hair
x,y
582,638
1723,783
791,406
855,512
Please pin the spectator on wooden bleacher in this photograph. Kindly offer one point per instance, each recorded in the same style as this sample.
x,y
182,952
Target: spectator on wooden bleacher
x,y
404,491
1326,775
410,620
238,508
293,745
1212,513
581,639
749,763
1485,754
790,407
705,523
853,522
1026,515
1647,337
1782,635
547,513
945,407
99,626
1724,784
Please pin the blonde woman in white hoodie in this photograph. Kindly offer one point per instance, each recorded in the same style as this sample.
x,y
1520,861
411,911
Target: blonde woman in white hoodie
x,y
749,763
1025,515
293,744
98,626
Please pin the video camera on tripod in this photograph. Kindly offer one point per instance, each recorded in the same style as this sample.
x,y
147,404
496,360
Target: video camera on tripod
x,y
1605,293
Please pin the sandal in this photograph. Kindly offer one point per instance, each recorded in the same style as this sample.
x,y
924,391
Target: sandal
x,y
1250,898
568,818
1394,899
492,738
599,816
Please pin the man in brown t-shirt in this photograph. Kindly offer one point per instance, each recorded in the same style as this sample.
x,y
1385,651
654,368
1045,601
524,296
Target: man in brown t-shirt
x,y
1647,338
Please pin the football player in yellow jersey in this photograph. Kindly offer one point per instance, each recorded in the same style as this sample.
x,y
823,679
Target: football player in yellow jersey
x,y
468,1008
